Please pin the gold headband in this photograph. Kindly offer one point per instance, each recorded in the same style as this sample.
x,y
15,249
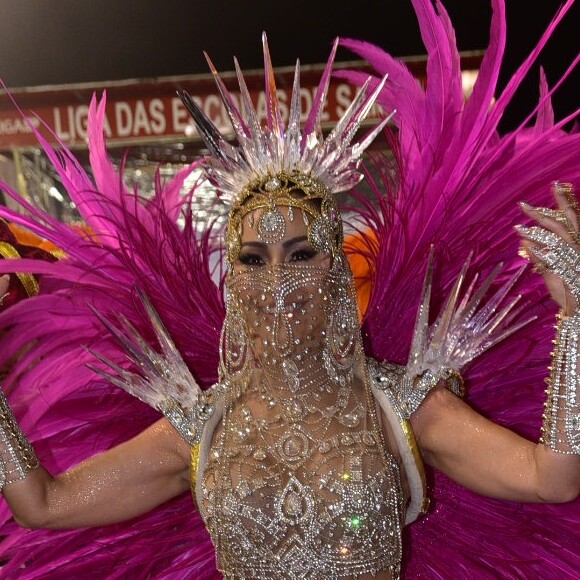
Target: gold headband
x,y
292,190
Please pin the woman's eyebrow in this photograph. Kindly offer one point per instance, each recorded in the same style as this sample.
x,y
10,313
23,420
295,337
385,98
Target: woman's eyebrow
x,y
293,241
253,244
285,243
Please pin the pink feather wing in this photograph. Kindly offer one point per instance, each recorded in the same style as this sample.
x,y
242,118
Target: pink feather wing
x,y
66,409
458,186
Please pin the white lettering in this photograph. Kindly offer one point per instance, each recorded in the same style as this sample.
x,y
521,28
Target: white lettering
x,y
123,119
179,116
70,115
15,126
158,121
141,119
80,121
58,127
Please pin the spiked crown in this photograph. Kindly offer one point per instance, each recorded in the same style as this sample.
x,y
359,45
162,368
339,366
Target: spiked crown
x,y
273,164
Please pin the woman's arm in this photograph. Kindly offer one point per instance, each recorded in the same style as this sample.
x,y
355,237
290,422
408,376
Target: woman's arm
x,y
491,459
488,458
116,485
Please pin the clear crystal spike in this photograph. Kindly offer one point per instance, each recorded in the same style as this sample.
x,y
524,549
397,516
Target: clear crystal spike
x,y
264,151
465,327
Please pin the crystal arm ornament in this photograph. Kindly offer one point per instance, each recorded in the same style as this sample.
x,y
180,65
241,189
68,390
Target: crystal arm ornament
x,y
17,457
561,424
556,256
163,380
466,327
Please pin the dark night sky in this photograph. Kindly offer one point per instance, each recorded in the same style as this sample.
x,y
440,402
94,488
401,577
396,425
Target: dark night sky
x,y
67,41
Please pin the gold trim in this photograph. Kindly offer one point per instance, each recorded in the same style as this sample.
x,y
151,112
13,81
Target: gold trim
x,y
58,254
28,280
193,465
287,189
414,448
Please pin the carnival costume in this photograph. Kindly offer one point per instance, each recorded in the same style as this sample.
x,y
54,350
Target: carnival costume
x,y
258,499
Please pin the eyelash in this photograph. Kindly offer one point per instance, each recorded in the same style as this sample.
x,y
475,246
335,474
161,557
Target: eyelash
x,y
250,260
302,255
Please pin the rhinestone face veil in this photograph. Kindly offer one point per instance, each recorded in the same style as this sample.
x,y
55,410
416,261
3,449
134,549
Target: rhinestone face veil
x,y
275,165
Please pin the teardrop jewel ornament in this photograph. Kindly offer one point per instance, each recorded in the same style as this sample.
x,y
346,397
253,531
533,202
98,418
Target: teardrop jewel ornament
x,y
291,372
283,335
340,344
234,345
320,234
295,504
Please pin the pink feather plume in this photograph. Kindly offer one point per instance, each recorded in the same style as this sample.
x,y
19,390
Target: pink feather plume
x,y
457,186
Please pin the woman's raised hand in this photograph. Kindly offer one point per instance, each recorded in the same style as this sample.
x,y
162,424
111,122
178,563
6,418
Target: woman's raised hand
x,y
553,245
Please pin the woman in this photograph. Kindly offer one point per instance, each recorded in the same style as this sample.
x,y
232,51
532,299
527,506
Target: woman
x,y
280,434
298,472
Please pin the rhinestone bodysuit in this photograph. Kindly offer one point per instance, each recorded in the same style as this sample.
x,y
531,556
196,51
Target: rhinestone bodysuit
x,y
300,482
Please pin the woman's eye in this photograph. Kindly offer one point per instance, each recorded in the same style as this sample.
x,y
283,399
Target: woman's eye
x,y
302,255
250,260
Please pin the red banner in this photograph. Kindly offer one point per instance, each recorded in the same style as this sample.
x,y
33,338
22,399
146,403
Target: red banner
x,y
149,110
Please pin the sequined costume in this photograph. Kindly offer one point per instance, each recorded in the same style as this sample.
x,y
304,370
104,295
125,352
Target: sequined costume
x,y
297,480
456,178
300,481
